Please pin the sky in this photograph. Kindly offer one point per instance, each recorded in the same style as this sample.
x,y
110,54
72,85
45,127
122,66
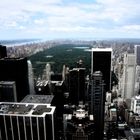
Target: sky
x,y
69,19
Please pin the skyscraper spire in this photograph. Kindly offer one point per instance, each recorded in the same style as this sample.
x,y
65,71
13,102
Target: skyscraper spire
x,y
31,78
48,72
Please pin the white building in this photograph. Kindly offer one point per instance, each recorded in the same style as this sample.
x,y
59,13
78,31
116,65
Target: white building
x,y
31,77
137,79
48,72
128,78
137,52
135,104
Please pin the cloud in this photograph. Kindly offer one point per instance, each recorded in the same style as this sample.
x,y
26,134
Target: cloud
x,y
50,16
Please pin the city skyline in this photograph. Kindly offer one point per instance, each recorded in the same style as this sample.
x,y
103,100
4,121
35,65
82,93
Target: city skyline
x,y
58,19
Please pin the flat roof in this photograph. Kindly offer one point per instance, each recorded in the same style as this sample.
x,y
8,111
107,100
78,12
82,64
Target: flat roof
x,y
25,109
42,99
101,49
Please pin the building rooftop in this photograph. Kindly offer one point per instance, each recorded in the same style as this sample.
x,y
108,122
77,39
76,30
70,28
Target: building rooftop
x,y
25,109
101,49
47,99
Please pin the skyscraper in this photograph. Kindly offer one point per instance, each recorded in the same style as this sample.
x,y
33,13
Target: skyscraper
x,y
101,61
3,52
48,72
26,121
98,103
16,70
77,85
31,78
129,72
137,53
8,91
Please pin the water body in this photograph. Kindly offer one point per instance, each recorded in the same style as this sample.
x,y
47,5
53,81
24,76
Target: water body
x,y
18,42
82,48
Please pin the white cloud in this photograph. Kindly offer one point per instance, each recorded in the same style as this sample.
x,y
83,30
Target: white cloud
x,y
36,16
39,21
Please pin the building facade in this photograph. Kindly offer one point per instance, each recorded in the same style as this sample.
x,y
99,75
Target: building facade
x,y
77,85
8,91
101,61
97,106
26,121
129,72
3,51
16,70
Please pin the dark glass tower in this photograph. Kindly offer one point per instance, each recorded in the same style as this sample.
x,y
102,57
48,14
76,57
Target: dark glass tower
x,y
15,70
3,52
8,91
98,103
101,61
77,85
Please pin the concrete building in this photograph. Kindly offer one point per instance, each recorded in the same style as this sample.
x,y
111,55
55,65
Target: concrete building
x,y
135,104
31,78
48,72
26,121
128,78
137,53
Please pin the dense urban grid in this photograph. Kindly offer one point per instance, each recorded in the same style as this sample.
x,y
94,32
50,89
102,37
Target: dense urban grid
x,y
70,90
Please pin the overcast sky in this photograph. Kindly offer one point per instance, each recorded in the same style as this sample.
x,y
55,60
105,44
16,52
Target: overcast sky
x,y
51,19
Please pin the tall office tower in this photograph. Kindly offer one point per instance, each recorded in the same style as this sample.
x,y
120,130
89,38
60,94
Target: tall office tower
x,y
77,85
137,79
26,121
8,91
98,103
48,72
137,53
3,52
64,71
16,69
129,76
101,61
31,77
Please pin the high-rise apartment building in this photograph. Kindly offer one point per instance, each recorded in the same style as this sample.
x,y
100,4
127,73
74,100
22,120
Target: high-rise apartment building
x,y
16,70
129,72
101,61
135,104
137,53
26,121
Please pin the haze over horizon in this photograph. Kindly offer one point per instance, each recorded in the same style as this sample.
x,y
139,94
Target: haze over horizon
x,y
58,19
